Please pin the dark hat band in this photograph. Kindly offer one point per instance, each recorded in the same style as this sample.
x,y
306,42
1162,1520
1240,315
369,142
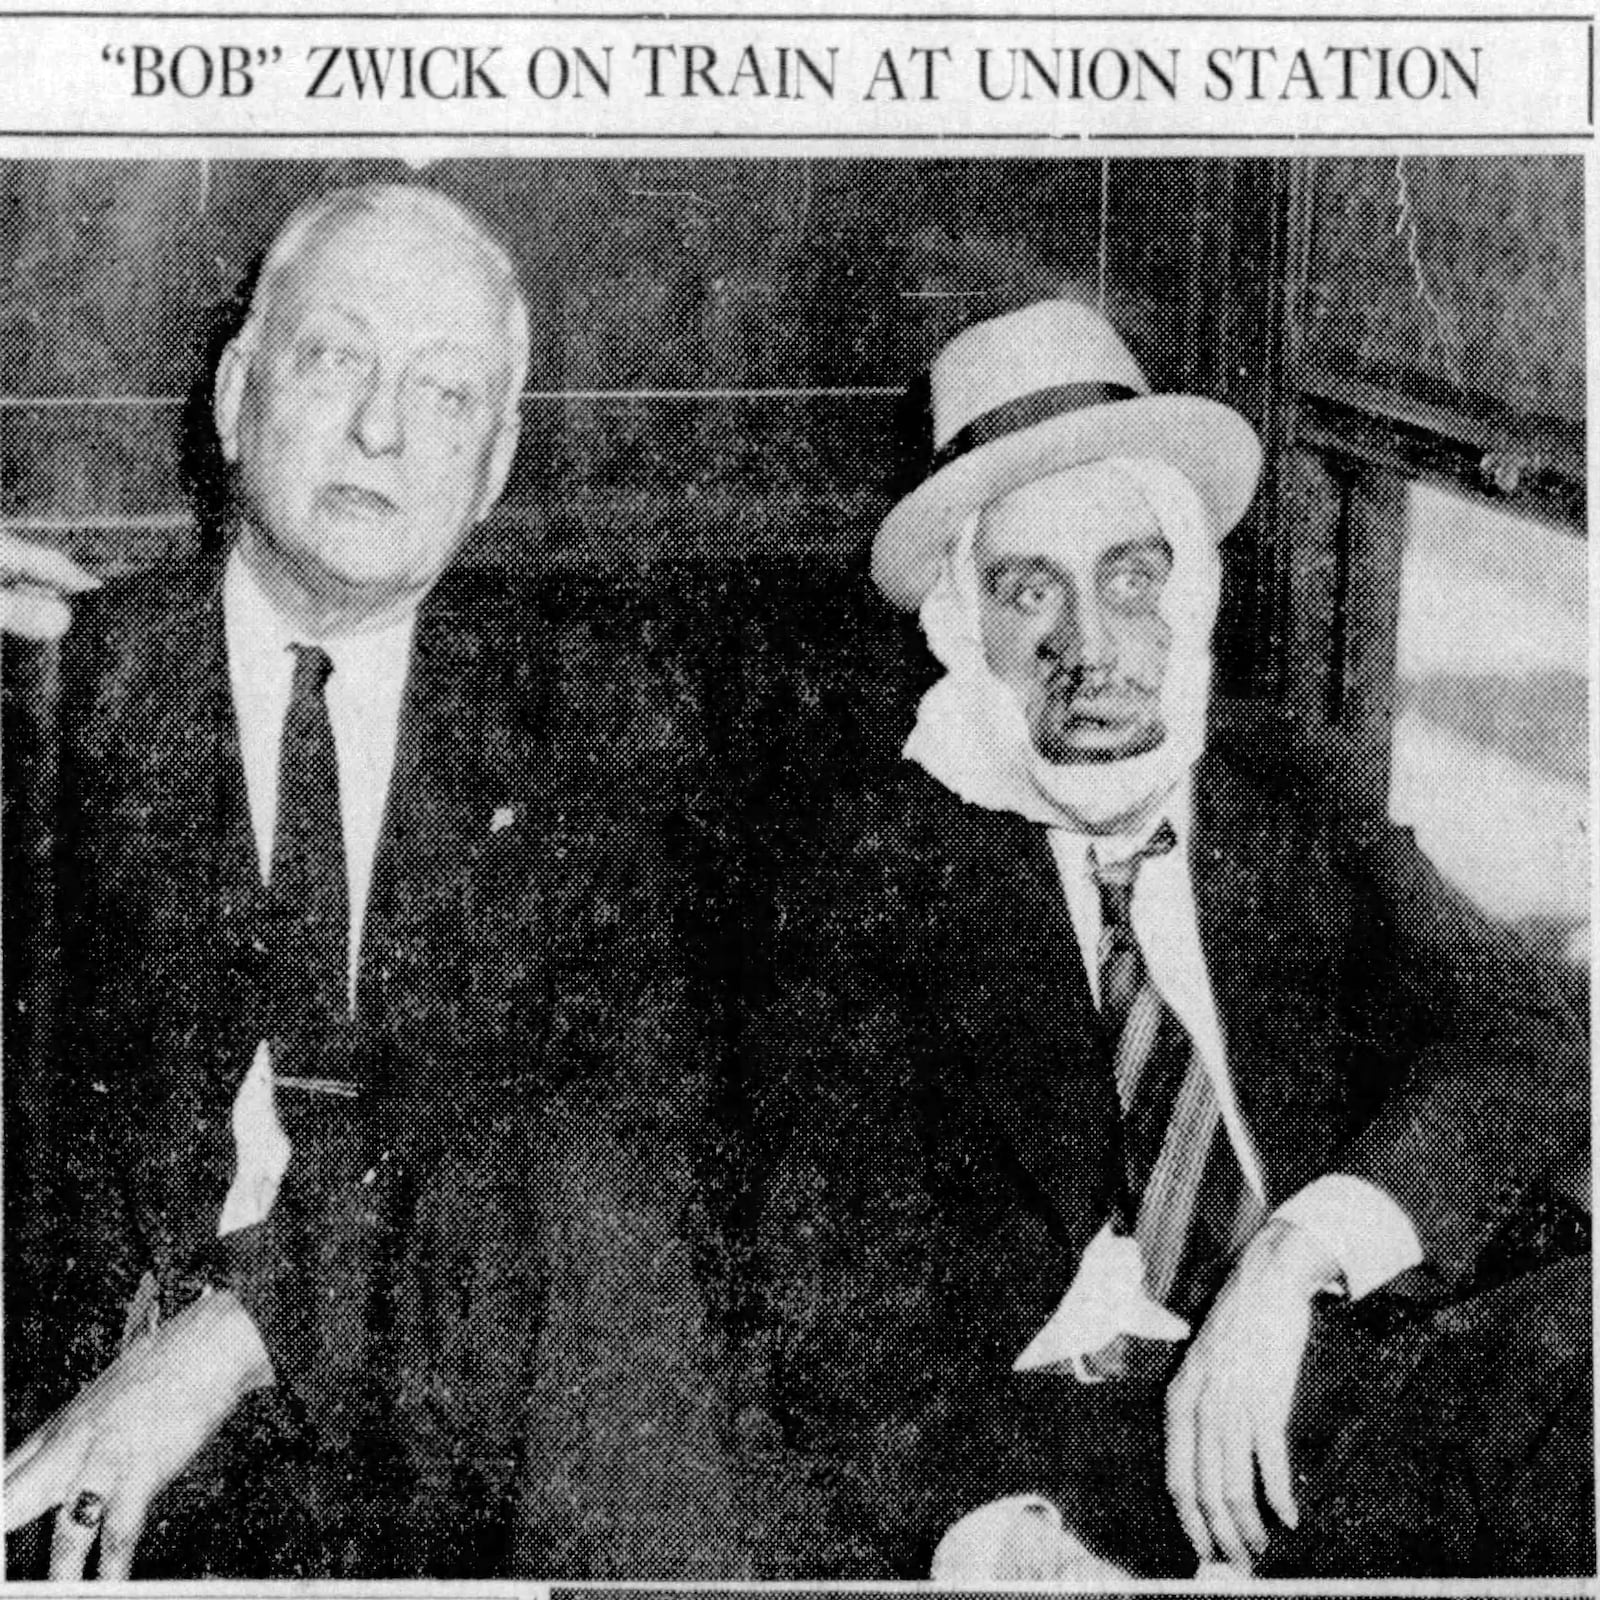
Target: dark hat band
x,y
1026,411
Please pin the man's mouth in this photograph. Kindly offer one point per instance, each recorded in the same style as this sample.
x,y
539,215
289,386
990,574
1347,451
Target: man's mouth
x,y
1075,723
1097,738
1098,717
355,500
1099,709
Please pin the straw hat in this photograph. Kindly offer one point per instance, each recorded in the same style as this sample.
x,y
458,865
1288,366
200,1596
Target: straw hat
x,y
1030,394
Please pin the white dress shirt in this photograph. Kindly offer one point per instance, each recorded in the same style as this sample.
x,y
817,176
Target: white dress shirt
x,y
1360,1226
364,694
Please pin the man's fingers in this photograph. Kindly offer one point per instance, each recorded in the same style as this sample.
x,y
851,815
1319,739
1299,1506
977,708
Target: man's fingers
x,y
1239,1479
38,1480
21,562
1211,1477
124,1525
34,581
1181,1484
77,1526
1272,1451
33,614
22,1455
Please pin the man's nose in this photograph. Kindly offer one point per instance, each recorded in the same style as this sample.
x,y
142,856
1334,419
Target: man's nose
x,y
1079,639
378,425
1065,644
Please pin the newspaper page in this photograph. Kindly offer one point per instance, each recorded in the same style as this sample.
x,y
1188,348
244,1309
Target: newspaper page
x,y
798,795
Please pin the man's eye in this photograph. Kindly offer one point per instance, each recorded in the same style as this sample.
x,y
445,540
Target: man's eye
x,y
327,358
448,399
1024,594
1130,585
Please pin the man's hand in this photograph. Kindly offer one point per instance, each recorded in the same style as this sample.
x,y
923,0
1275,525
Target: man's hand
x,y
107,1454
35,584
1228,1408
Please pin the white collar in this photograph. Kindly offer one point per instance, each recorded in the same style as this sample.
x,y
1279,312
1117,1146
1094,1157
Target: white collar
x,y
1178,812
262,633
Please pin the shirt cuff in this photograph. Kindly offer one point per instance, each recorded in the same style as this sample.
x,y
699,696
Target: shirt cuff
x,y
1360,1226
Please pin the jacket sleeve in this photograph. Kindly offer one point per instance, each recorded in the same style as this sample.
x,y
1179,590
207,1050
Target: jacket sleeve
x,y
97,1275
1475,1056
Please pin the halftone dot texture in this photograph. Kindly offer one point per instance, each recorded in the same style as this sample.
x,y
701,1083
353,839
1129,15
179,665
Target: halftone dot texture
x,y
695,1252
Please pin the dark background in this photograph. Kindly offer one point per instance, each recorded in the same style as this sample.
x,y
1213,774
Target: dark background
x,y
718,346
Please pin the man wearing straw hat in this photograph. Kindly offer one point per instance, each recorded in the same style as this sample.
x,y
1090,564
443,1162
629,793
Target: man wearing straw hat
x,y
1147,1120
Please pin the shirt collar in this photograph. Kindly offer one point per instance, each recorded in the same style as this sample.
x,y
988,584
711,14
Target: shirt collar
x,y
1073,848
262,634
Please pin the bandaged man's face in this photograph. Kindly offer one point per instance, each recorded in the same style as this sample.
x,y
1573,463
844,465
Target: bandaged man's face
x,y
1071,574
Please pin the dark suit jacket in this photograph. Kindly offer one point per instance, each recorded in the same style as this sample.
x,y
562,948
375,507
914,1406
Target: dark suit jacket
x,y
520,972
936,1125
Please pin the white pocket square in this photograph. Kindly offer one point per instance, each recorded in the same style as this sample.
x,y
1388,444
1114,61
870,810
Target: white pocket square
x,y
1106,1299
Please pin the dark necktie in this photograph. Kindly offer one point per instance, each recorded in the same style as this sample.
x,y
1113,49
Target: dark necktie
x,y
1178,1164
308,891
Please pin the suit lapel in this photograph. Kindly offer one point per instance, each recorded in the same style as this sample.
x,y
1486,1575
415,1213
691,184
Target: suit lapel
x,y
188,733
424,825
1233,861
458,755
1023,999
196,809
1265,903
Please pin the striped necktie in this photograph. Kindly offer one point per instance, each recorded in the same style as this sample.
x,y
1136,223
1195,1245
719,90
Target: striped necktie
x,y
1178,1165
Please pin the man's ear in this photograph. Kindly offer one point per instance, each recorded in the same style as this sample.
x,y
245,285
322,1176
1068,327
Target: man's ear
x,y
501,454
227,393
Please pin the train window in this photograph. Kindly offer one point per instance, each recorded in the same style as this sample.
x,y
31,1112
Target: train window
x,y
1490,759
